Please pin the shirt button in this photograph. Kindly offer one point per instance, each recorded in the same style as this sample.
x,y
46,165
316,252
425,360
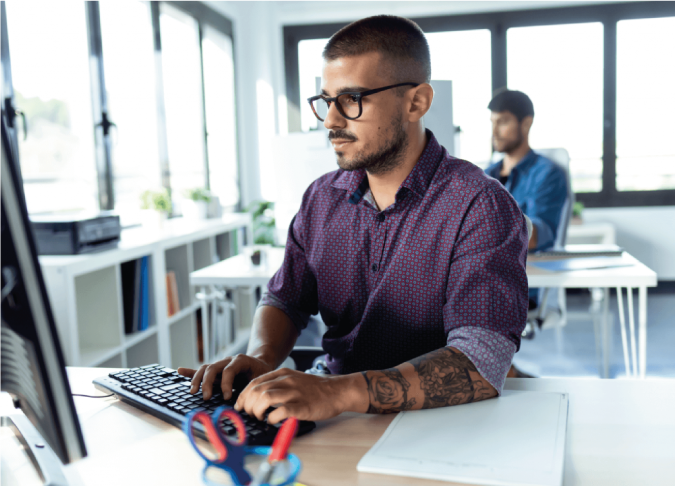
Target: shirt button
x,y
380,217
374,267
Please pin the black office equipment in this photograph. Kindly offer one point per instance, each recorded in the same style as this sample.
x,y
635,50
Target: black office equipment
x,y
62,235
162,392
33,368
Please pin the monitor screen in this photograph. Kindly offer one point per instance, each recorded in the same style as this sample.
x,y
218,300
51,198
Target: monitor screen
x,y
33,368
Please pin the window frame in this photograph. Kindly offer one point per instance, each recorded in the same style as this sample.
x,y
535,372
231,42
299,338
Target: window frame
x,y
102,157
498,23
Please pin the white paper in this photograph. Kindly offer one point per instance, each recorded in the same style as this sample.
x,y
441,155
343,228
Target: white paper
x,y
518,438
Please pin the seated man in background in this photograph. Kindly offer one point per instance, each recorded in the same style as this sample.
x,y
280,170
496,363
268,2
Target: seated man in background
x,y
536,183
415,259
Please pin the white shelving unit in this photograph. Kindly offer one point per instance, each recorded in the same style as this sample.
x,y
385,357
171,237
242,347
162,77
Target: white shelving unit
x,y
85,292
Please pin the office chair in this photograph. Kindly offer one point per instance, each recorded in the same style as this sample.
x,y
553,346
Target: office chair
x,y
543,316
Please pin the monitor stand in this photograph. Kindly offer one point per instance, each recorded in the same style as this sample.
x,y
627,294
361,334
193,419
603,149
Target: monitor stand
x,y
46,462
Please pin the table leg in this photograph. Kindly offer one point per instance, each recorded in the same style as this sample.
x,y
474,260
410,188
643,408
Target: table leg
x,y
205,325
642,296
631,322
622,322
597,326
605,334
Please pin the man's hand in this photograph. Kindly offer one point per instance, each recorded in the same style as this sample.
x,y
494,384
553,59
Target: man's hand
x,y
230,367
298,394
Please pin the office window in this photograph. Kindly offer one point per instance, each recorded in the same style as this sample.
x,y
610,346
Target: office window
x,y
128,56
220,116
560,67
310,65
50,69
183,101
463,57
645,104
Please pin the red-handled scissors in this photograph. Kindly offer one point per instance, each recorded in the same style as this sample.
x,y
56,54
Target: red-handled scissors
x,y
230,452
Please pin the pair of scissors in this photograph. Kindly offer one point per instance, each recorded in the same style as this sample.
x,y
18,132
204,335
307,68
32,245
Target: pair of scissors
x,y
230,451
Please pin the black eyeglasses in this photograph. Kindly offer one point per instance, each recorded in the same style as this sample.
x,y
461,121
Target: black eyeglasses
x,y
348,103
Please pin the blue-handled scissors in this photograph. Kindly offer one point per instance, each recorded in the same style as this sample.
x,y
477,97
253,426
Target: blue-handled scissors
x,y
230,452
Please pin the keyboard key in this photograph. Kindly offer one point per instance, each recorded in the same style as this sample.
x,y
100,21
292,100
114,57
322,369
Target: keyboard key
x,y
162,401
157,391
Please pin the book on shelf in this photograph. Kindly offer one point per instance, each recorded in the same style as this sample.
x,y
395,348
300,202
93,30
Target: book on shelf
x,y
131,293
144,307
173,303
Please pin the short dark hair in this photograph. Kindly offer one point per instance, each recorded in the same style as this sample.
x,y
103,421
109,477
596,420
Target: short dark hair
x,y
400,41
513,101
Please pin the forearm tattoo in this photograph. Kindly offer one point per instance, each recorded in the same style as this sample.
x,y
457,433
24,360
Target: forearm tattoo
x,y
444,377
388,391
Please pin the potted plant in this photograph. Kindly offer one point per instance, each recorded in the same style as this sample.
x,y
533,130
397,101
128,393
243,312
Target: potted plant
x,y
196,203
577,211
155,206
264,231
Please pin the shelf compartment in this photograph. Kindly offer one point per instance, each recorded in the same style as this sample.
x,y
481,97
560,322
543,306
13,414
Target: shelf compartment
x,y
143,353
177,261
95,356
226,245
203,254
132,339
99,323
183,338
130,278
115,361
184,312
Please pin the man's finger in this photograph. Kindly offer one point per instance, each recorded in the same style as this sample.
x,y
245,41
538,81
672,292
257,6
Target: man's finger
x,y
291,409
269,398
238,365
197,379
209,377
245,395
187,372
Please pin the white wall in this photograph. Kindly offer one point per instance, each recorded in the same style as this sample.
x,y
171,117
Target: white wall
x,y
646,233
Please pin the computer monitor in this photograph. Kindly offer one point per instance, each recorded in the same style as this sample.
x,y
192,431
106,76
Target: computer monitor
x,y
33,368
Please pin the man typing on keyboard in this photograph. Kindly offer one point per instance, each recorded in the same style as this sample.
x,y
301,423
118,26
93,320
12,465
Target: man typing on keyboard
x,y
415,259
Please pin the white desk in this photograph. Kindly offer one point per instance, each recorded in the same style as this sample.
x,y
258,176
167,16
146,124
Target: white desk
x,y
620,432
238,271
637,276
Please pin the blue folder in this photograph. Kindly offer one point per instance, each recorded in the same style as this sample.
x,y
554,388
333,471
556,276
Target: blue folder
x,y
583,263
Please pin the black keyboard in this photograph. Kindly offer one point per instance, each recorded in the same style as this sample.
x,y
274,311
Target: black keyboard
x,y
164,393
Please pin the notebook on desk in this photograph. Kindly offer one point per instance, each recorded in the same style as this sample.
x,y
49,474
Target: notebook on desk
x,y
584,263
518,438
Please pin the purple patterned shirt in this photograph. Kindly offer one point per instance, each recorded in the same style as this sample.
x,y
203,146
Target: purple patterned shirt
x,y
442,266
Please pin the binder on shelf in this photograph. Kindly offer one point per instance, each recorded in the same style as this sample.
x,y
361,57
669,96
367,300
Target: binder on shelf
x,y
170,308
173,302
144,307
131,277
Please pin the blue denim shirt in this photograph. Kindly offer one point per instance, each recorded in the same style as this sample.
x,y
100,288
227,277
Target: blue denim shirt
x,y
539,186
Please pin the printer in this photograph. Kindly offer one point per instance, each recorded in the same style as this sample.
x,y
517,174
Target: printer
x,y
73,235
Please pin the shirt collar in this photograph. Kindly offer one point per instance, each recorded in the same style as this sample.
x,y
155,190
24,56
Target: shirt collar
x,y
522,166
418,181
526,162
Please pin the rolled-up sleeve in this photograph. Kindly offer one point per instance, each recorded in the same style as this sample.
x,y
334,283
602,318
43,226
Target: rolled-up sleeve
x,y
486,298
293,288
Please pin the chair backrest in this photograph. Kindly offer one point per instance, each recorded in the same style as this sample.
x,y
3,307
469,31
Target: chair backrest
x,y
560,157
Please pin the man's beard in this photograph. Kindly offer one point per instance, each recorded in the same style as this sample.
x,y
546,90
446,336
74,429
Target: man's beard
x,y
384,160
510,145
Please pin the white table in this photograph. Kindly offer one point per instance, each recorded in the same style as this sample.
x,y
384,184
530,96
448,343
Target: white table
x,y
620,432
238,271
637,276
